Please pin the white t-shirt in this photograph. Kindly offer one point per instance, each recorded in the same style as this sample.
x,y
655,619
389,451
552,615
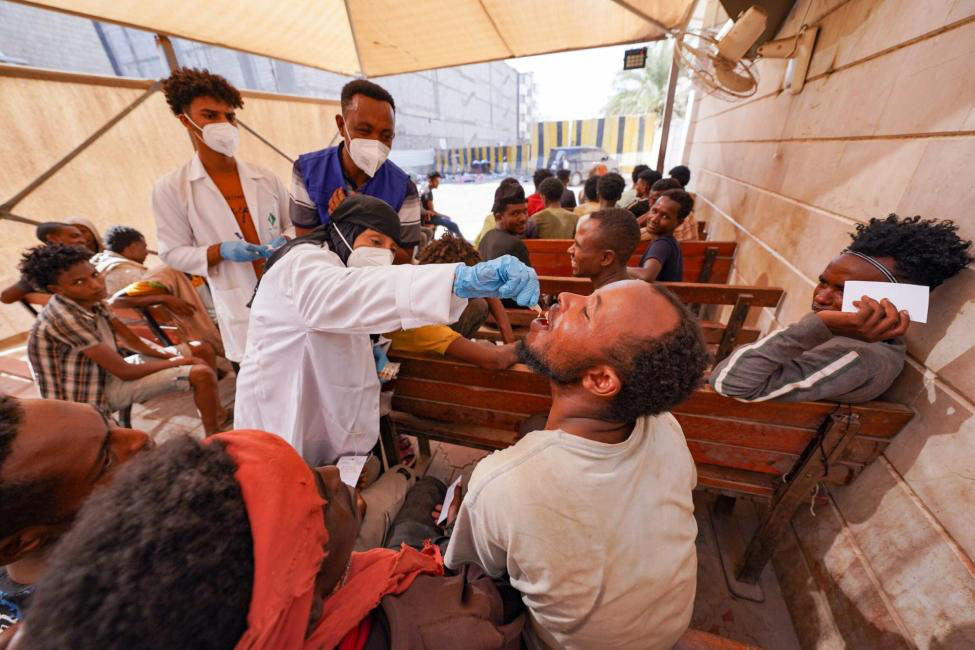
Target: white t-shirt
x,y
598,538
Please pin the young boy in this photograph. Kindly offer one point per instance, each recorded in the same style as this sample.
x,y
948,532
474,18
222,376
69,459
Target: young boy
x,y
510,215
663,261
554,222
72,348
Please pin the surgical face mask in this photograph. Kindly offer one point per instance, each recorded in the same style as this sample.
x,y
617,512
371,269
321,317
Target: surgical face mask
x,y
369,256
366,255
368,155
222,137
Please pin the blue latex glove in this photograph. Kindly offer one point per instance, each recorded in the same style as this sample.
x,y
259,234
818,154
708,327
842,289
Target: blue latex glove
x,y
241,251
278,243
503,277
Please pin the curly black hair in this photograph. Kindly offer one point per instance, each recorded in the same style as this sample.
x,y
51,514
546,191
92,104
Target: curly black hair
x,y
508,193
664,184
650,176
925,251
186,84
118,238
681,198
637,170
539,176
589,189
367,88
42,265
610,187
618,231
551,189
161,558
449,249
657,373
563,175
682,174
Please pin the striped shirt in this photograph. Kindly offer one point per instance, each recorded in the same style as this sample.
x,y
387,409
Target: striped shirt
x,y
60,335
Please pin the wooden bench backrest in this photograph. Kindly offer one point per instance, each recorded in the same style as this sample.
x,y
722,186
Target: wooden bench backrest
x,y
551,257
739,447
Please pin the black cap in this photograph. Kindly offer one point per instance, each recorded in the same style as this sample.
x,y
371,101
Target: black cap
x,y
369,212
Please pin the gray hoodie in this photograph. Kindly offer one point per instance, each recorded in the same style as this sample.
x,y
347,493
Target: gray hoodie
x,y
805,361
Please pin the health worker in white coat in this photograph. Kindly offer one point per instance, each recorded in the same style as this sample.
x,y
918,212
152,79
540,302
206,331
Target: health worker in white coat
x,y
309,374
217,216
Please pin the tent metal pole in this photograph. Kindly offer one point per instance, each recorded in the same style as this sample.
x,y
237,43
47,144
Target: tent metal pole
x,y
71,155
668,111
167,47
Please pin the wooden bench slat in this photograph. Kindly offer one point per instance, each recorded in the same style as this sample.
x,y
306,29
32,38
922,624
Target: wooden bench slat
x,y
772,437
438,391
517,378
731,479
461,414
689,248
479,437
878,419
775,463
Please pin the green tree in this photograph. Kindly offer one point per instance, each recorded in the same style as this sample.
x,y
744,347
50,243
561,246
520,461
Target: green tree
x,y
637,92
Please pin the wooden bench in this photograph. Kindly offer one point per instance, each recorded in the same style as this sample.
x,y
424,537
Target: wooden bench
x,y
725,335
774,452
704,261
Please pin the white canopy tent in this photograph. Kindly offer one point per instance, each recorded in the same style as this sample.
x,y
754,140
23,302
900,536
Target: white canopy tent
x,y
382,37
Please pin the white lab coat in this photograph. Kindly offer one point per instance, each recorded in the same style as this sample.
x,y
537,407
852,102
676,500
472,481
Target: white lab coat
x,y
192,215
309,374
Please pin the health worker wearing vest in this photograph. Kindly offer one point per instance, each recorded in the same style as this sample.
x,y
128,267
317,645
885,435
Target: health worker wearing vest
x,y
217,216
358,165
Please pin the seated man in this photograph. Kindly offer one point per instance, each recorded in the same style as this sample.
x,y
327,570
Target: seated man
x,y
609,189
641,209
131,285
51,232
841,356
640,204
490,221
453,340
72,350
554,222
250,549
589,190
510,214
536,202
427,213
568,196
602,246
592,518
52,454
630,194
663,260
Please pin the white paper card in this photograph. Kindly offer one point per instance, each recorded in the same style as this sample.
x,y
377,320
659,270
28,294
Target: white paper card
x,y
448,499
350,467
912,297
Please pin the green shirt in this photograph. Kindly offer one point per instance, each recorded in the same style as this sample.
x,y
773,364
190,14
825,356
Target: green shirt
x,y
552,223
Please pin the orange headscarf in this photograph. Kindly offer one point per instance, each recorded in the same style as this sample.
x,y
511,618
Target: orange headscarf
x,y
288,530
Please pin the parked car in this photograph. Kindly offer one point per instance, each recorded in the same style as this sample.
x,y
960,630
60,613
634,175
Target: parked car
x,y
580,161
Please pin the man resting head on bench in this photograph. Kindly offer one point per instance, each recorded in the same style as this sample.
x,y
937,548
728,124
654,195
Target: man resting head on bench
x,y
848,357
602,246
52,455
592,518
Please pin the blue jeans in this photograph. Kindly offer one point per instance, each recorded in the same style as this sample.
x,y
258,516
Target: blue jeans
x,y
441,220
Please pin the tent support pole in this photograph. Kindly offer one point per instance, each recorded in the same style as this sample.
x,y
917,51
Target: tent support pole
x,y
167,47
668,111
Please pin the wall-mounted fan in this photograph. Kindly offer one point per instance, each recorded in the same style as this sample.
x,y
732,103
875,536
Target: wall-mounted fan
x,y
717,60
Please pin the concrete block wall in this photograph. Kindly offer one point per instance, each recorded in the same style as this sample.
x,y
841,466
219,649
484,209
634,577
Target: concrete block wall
x,y
886,123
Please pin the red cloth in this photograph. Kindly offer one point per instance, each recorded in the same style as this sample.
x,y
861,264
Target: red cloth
x,y
287,523
535,203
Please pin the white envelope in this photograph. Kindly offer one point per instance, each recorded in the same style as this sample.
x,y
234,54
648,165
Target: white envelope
x,y
912,297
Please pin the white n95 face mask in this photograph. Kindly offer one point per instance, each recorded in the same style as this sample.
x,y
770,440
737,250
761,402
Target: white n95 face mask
x,y
369,256
222,137
368,155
